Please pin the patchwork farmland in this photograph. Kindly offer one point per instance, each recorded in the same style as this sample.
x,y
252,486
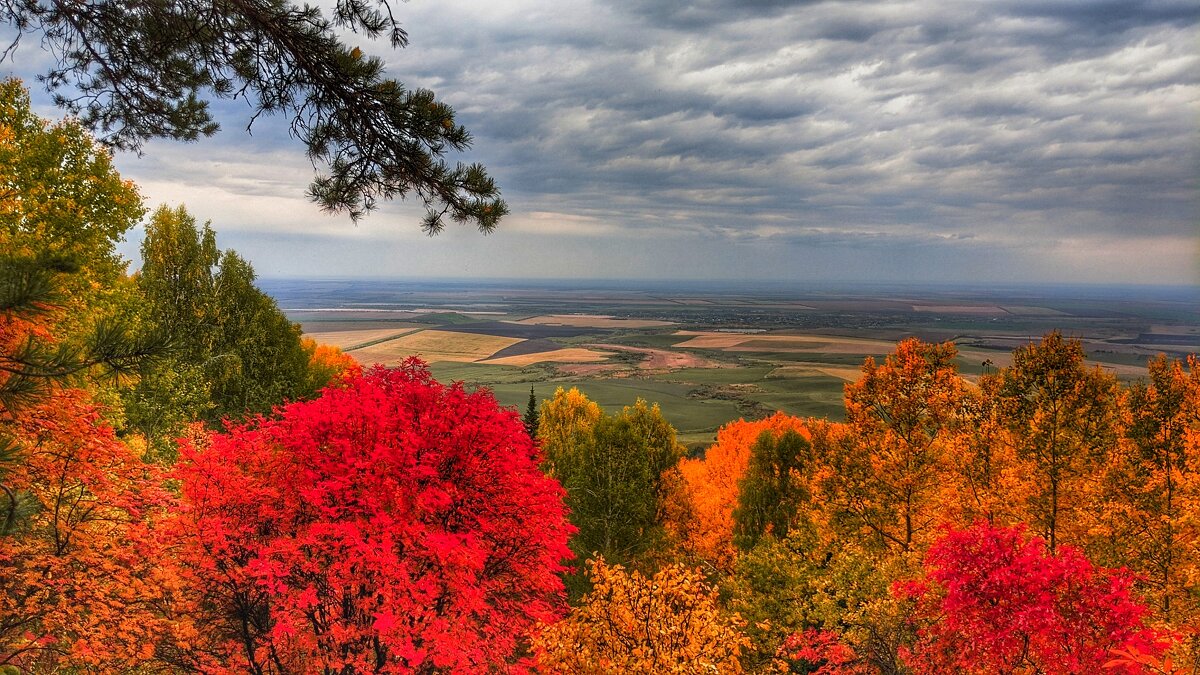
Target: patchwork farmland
x,y
709,357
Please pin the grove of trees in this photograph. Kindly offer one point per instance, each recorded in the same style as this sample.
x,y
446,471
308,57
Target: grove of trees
x,y
187,486
1039,520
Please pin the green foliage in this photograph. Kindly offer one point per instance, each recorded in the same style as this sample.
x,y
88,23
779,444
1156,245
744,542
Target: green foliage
x,y
611,492
237,353
16,506
31,360
616,470
176,277
784,586
775,588
772,491
133,72
165,401
258,356
657,435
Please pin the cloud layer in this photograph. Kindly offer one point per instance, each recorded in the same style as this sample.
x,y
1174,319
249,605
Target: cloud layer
x,y
921,140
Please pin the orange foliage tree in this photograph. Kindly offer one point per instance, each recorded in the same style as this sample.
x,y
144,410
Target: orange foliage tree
x,y
327,364
984,477
1152,486
1063,420
82,581
703,523
886,470
629,623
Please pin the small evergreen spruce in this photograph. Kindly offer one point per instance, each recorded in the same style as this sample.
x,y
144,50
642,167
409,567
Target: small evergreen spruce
x,y
531,415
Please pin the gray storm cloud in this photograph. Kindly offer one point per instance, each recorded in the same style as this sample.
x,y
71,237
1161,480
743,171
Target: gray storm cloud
x,y
745,138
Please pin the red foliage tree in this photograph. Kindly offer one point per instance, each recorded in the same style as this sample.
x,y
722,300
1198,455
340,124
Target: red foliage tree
x,y
994,601
395,525
819,652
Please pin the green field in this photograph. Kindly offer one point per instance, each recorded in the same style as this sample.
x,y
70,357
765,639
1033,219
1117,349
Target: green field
x,y
695,417
697,401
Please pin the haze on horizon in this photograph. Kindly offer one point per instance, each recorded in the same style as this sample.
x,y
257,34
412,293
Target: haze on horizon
x,y
1016,141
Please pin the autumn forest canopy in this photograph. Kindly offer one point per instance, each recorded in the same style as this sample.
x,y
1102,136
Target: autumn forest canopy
x,y
187,485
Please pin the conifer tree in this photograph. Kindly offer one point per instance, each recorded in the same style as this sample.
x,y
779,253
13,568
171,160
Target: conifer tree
x,y
137,71
531,417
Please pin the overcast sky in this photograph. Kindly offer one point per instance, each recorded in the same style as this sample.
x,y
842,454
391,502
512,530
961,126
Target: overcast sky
x,y
899,140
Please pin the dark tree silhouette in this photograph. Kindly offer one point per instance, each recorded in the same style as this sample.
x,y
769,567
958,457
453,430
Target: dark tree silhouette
x,y
133,71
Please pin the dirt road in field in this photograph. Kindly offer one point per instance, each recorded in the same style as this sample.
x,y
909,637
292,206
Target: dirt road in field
x,y
662,359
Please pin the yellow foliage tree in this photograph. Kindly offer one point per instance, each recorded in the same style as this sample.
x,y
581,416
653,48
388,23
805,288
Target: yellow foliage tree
x,y
666,624
984,478
61,199
660,437
565,421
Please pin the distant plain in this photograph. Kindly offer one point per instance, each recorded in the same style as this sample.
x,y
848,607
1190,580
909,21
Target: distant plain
x,y
711,353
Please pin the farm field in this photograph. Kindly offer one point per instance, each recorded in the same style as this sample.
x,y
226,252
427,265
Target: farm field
x,y
710,355
357,339
434,346
592,321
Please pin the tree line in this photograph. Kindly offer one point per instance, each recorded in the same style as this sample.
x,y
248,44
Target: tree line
x,y
1042,519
